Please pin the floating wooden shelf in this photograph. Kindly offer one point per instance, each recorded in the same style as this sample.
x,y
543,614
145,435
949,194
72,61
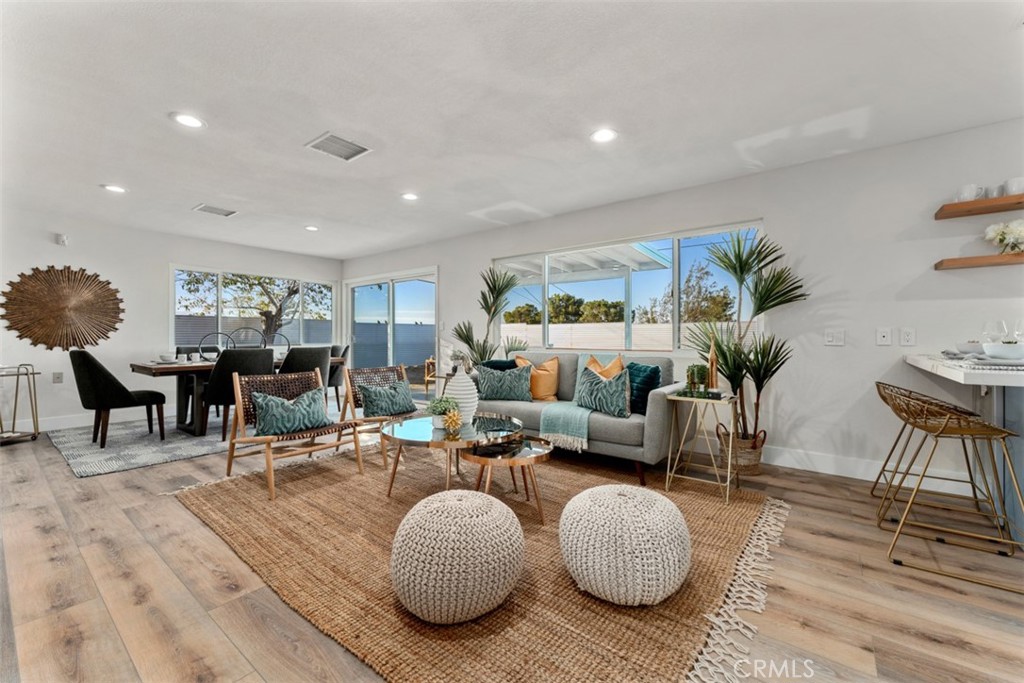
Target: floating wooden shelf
x,y
980,261
1013,202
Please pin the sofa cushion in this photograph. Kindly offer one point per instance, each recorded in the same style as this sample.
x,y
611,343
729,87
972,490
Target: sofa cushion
x,y
510,385
613,368
628,431
567,369
527,413
276,415
609,396
643,379
395,399
499,364
543,378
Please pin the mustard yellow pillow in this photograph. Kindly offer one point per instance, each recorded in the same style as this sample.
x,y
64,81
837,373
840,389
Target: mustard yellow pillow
x,y
543,378
607,371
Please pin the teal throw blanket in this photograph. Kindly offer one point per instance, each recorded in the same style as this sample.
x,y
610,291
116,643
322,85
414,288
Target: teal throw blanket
x,y
565,424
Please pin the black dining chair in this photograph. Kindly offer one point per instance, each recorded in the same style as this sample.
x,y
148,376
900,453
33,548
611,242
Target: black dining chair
x,y
306,359
220,387
337,374
99,390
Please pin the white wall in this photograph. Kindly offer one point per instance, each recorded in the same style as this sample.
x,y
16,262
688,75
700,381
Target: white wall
x,y
138,263
859,228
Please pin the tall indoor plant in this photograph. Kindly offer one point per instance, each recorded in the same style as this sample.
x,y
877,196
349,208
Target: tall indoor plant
x,y
498,284
745,356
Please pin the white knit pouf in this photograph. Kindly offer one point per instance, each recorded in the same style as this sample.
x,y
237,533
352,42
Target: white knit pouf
x,y
625,544
456,556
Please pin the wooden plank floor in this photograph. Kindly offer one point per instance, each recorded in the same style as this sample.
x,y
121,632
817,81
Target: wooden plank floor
x,y
104,579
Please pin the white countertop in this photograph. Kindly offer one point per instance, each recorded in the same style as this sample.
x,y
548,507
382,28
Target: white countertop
x,y
965,372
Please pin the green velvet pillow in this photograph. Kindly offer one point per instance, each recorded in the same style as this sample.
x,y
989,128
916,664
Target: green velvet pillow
x,y
608,396
643,379
276,415
499,364
395,399
507,385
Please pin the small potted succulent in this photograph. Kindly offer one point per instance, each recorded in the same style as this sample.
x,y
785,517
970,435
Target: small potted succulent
x,y
439,408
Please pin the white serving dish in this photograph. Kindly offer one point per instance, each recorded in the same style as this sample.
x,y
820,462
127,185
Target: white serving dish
x,y
1006,351
969,347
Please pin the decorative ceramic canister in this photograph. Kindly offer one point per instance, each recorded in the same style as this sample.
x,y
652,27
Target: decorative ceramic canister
x,y
463,390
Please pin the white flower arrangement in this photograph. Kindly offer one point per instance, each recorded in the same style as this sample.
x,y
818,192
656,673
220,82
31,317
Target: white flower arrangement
x,y
1009,236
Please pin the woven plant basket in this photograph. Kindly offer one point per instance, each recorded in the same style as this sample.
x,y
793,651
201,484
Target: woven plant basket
x,y
746,453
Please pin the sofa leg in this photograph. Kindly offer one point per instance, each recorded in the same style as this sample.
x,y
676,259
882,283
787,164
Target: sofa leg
x,y
640,472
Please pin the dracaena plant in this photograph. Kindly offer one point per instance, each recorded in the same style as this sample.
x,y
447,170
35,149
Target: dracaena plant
x,y
498,283
765,283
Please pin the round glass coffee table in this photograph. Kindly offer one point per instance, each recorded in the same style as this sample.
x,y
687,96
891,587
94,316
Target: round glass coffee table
x,y
522,453
485,429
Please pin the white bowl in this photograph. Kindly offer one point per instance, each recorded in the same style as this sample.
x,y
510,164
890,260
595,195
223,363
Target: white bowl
x,y
1004,351
168,357
969,347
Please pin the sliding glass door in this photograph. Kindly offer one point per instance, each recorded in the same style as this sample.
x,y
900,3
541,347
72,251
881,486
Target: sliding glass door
x,y
394,323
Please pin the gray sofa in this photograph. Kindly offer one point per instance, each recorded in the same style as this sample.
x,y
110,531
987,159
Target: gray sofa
x,y
640,438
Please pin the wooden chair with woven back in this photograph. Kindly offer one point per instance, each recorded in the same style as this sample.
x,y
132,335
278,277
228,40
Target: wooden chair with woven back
x,y
374,377
294,428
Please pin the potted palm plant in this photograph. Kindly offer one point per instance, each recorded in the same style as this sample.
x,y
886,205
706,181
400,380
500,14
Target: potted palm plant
x,y
744,357
493,300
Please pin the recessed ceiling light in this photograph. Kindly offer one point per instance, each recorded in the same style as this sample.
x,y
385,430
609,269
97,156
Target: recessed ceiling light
x,y
603,135
114,188
188,120
410,196
312,228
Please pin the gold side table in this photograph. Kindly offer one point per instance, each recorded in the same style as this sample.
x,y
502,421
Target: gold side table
x,y
27,372
682,457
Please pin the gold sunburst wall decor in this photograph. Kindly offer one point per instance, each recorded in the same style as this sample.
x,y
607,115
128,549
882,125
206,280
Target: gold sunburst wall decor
x,y
60,307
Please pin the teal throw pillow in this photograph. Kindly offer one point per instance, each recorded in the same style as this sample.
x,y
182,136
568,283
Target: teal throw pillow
x,y
608,396
276,415
395,399
505,385
643,379
499,364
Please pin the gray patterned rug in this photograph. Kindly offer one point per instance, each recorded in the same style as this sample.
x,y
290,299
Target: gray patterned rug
x,y
130,445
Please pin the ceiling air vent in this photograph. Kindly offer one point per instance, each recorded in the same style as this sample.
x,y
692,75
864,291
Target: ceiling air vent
x,y
215,210
328,143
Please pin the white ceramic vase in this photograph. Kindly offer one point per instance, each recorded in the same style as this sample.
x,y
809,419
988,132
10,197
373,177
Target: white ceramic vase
x,y
463,390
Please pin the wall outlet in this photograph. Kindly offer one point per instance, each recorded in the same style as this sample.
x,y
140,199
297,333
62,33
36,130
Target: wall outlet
x,y
58,378
908,336
883,336
835,337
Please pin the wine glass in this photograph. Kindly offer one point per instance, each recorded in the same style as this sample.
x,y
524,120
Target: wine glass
x,y
994,331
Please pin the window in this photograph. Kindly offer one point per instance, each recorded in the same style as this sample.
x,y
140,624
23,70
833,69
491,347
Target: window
x,y
631,296
247,305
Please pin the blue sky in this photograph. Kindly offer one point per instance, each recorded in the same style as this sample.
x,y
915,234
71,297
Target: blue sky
x,y
414,302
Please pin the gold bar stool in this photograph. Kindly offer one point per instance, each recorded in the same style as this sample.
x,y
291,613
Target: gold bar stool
x,y
978,441
890,470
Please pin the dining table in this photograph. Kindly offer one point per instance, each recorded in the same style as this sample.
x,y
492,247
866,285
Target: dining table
x,y
192,377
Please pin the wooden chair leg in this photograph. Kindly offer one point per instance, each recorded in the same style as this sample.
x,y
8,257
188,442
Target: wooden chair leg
x,y
149,416
270,468
204,419
104,421
337,396
359,453
224,424
160,418
96,426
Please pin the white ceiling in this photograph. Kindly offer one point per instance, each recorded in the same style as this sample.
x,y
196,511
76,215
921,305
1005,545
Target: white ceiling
x,y
483,109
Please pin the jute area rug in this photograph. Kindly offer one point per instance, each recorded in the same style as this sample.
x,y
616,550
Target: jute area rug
x,y
324,546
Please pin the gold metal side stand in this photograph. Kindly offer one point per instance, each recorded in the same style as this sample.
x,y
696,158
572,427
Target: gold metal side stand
x,y
24,375
683,457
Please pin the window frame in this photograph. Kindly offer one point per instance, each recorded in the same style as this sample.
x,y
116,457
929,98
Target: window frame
x,y
757,225
220,273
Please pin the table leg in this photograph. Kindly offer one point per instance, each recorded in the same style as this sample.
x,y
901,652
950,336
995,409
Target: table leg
x,y
487,486
479,477
536,492
512,471
394,468
526,483
448,469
